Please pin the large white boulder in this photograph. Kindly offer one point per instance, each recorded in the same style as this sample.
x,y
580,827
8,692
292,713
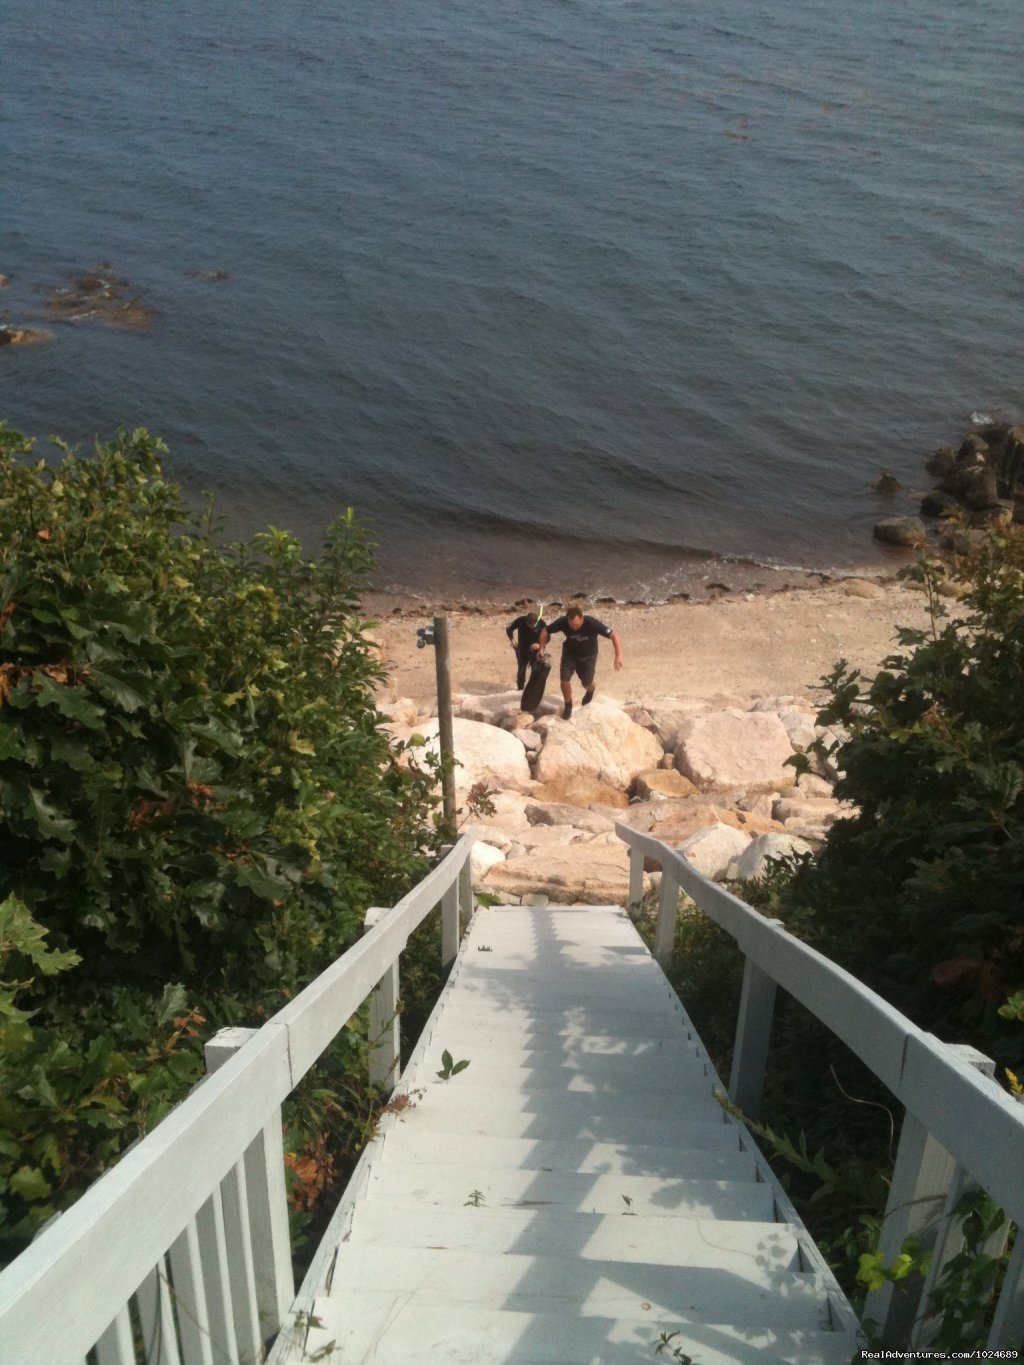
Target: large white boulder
x,y
484,753
734,748
482,857
665,717
580,872
714,849
600,741
752,863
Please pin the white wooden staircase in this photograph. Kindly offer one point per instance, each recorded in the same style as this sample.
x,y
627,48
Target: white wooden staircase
x,y
574,1192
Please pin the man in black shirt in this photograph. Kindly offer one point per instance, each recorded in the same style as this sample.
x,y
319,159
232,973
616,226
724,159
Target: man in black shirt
x,y
579,652
526,630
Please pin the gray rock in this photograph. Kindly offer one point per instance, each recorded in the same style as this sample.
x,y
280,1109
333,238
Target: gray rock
x,y
752,864
908,532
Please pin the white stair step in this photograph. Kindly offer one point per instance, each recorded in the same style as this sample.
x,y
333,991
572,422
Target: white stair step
x,y
564,1123
597,1017
649,1196
421,1333
584,1288
543,1032
501,1055
599,1076
749,1250
521,1045
576,961
460,1093
717,1159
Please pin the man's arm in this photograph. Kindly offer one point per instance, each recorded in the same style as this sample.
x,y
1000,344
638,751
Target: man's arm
x,y
510,630
617,642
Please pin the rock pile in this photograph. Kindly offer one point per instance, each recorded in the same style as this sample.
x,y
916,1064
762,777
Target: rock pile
x,y
709,779
978,490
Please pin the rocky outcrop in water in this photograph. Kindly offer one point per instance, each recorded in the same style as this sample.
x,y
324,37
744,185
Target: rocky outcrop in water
x,y
979,483
103,296
22,336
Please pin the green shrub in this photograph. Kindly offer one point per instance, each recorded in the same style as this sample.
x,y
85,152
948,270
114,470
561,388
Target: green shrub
x,y
921,894
197,799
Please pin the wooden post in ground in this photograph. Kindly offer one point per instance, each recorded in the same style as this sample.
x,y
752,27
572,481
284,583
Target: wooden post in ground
x,y
445,728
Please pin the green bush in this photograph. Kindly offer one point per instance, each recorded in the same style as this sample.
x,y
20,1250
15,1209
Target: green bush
x,y
921,894
197,800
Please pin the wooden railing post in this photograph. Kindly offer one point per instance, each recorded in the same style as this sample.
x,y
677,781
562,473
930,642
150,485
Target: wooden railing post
x,y
466,894
450,927
665,929
383,1034
636,875
266,1201
1008,1324
917,1205
753,1034
949,1237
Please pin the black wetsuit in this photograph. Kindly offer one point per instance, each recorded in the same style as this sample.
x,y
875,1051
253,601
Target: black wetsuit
x,y
526,637
579,649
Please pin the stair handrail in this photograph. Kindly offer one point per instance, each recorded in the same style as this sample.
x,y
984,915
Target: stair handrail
x,y
205,1190
961,1126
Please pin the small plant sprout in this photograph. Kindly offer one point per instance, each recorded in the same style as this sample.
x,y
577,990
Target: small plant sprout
x,y
676,1352
476,1199
450,1068
629,1211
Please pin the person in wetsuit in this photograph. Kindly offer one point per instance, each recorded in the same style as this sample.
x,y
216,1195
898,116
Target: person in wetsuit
x,y
524,635
579,652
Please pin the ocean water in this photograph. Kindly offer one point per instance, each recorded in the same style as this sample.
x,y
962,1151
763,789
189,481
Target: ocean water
x,y
574,294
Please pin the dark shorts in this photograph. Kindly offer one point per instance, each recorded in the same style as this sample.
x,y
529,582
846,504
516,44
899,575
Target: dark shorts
x,y
584,668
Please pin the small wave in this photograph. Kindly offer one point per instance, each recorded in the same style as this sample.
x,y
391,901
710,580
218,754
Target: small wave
x,y
980,418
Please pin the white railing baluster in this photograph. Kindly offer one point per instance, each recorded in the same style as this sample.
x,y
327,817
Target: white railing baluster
x,y
383,1030
156,1318
949,1237
668,908
753,1034
190,1298
241,1279
117,1346
1007,1330
216,1278
268,1220
267,1199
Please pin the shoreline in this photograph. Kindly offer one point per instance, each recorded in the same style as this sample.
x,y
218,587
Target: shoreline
x,y
720,578
728,647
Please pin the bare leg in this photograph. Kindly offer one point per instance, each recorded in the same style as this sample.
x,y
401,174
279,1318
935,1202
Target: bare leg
x,y
567,698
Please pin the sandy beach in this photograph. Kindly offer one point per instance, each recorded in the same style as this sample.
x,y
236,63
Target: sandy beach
x,y
737,647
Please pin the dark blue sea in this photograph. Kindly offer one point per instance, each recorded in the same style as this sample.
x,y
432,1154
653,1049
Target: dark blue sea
x,y
572,294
